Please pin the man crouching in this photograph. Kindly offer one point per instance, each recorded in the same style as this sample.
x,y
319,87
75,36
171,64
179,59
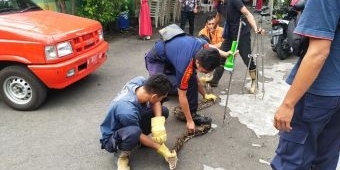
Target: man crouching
x,y
135,113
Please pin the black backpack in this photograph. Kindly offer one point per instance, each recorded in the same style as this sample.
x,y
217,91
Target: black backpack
x,y
298,42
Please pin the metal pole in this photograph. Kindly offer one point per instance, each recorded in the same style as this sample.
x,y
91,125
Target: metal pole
x,y
271,4
231,72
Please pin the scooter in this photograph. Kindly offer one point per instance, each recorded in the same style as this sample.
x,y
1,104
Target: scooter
x,y
279,22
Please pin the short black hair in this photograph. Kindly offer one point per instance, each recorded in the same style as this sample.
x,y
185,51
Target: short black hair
x,y
209,18
158,84
208,58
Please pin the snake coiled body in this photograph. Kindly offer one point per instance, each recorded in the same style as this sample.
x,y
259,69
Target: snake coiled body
x,y
199,130
201,105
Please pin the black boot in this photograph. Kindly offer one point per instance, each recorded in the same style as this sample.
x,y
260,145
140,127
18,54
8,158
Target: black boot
x,y
218,73
200,120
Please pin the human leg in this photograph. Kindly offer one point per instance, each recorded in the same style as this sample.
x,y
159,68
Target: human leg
x,y
192,96
172,79
329,144
184,17
244,47
191,17
123,160
124,140
305,144
218,73
146,119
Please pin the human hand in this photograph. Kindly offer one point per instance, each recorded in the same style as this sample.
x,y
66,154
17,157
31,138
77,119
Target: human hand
x,y
260,31
234,54
195,10
191,127
210,97
283,117
205,79
170,156
158,129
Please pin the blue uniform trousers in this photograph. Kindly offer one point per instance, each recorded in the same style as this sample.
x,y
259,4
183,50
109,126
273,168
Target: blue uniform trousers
x,y
127,138
192,94
314,141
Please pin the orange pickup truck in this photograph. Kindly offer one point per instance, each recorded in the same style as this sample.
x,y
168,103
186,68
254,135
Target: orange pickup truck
x,y
41,49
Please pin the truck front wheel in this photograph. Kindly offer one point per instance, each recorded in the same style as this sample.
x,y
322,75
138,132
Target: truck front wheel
x,y
20,88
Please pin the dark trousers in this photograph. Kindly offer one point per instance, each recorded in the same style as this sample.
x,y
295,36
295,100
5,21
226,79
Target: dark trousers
x,y
315,138
244,47
192,94
127,138
188,16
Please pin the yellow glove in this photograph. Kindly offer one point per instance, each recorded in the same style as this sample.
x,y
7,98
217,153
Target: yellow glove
x,y
170,157
205,79
210,97
158,129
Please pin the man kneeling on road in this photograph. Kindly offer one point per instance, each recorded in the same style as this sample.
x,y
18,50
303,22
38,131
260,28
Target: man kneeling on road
x,y
135,113
179,58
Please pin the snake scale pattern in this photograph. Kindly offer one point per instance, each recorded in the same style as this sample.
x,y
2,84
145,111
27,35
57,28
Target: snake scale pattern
x,y
199,130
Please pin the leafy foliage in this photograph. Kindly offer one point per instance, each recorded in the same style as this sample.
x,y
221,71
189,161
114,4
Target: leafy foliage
x,y
104,11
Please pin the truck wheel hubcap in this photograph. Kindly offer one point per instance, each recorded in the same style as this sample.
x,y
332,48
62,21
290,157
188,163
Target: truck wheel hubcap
x,y
17,90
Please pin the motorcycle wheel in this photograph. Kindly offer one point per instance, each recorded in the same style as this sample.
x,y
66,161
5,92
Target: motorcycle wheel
x,y
280,51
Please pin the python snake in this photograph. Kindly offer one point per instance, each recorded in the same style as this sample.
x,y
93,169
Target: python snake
x,y
199,130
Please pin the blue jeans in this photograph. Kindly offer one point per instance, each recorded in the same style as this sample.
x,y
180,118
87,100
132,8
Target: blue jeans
x,y
315,138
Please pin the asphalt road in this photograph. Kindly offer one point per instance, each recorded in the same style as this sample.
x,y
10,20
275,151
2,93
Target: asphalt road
x,y
63,134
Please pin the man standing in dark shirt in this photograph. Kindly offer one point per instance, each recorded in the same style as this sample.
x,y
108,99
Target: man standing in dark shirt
x,y
188,11
232,11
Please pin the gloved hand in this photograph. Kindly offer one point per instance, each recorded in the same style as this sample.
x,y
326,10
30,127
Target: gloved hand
x,y
158,129
210,97
170,157
205,79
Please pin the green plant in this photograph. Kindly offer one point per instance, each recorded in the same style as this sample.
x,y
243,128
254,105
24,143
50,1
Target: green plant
x,y
104,11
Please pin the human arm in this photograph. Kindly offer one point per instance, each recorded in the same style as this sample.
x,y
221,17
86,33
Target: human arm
x,y
183,102
195,7
127,114
157,109
251,19
158,124
309,69
223,53
217,19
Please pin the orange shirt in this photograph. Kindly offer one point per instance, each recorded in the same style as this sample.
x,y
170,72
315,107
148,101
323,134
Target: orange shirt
x,y
216,37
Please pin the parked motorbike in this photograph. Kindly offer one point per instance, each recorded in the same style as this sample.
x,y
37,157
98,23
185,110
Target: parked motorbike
x,y
279,22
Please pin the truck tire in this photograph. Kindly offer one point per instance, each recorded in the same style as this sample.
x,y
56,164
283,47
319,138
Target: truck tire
x,y
20,89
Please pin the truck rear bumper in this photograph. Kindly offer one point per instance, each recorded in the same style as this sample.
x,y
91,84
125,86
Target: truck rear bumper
x,y
61,75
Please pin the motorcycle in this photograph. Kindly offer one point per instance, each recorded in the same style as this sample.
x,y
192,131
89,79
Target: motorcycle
x,y
279,23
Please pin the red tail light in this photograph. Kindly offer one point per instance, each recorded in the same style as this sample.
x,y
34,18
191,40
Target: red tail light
x,y
274,22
